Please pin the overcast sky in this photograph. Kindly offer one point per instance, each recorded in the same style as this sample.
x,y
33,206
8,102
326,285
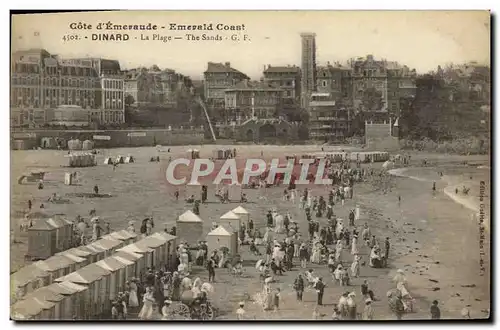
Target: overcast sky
x,y
421,40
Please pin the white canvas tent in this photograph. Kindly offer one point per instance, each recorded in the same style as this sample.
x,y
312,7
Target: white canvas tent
x,y
119,160
189,227
108,161
129,159
221,237
117,276
242,213
230,220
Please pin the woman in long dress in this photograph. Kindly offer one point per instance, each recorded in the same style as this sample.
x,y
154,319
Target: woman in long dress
x,y
354,245
338,250
268,297
316,255
132,296
355,266
196,289
147,309
165,310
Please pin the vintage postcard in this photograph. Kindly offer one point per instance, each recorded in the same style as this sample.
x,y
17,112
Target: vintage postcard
x,y
250,165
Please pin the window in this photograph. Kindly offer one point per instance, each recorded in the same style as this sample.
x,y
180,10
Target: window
x,y
324,83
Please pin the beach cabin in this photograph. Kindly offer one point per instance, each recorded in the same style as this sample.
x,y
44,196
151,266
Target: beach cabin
x,y
79,251
78,256
142,249
218,154
87,145
75,144
45,294
57,266
243,214
42,238
64,232
117,236
138,260
32,309
98,282
26,280
108,245
234,191
129,159
159,244
72,306
129,237
193,153
221,237
170,258
98,253
230,220
117,275
189,227
193,189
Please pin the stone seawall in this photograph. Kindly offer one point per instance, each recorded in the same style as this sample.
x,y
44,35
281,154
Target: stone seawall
x,y
116,138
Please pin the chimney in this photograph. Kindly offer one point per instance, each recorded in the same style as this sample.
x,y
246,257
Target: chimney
x,y
227,64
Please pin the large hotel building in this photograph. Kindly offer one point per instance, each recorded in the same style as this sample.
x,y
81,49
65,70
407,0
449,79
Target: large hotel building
x,y
47,90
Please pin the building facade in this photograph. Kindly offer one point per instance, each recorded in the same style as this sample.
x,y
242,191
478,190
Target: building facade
x,y
308,66
247,100
329,120
218,78
286,78
42,82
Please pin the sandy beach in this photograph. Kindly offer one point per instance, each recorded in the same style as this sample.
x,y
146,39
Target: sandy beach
x,y
434,238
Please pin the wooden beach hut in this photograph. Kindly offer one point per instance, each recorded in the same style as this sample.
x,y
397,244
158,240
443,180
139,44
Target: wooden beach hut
x,y
32,309
138,260
140,249
109,244
170,248
45,294
98,253
57,266
230,220
129,237
221,237
26,280
72,306
243,214
98,282
189,227
42,238
117,274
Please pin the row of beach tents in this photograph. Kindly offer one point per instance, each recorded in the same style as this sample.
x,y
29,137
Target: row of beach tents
x,y
337,157
80,283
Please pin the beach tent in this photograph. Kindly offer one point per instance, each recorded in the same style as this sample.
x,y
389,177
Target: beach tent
x,y
129,159
78,256
128,270
45,294
64,232
87,145
230,220
42,238
26,280
221,237
189,227
98,253
218,154
140,249
117,274
57,266
32,309
71,306
159,247
193,189
118,236
243,214
119,160
75,144
98,282
108,245
48,143
139,262
108,161
129,237
234,191
170,248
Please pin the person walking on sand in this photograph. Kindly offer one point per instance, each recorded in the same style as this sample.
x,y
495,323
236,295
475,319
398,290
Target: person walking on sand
x,y
368,313
435,311
387,246
298,285
147,309
96,190
320,290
